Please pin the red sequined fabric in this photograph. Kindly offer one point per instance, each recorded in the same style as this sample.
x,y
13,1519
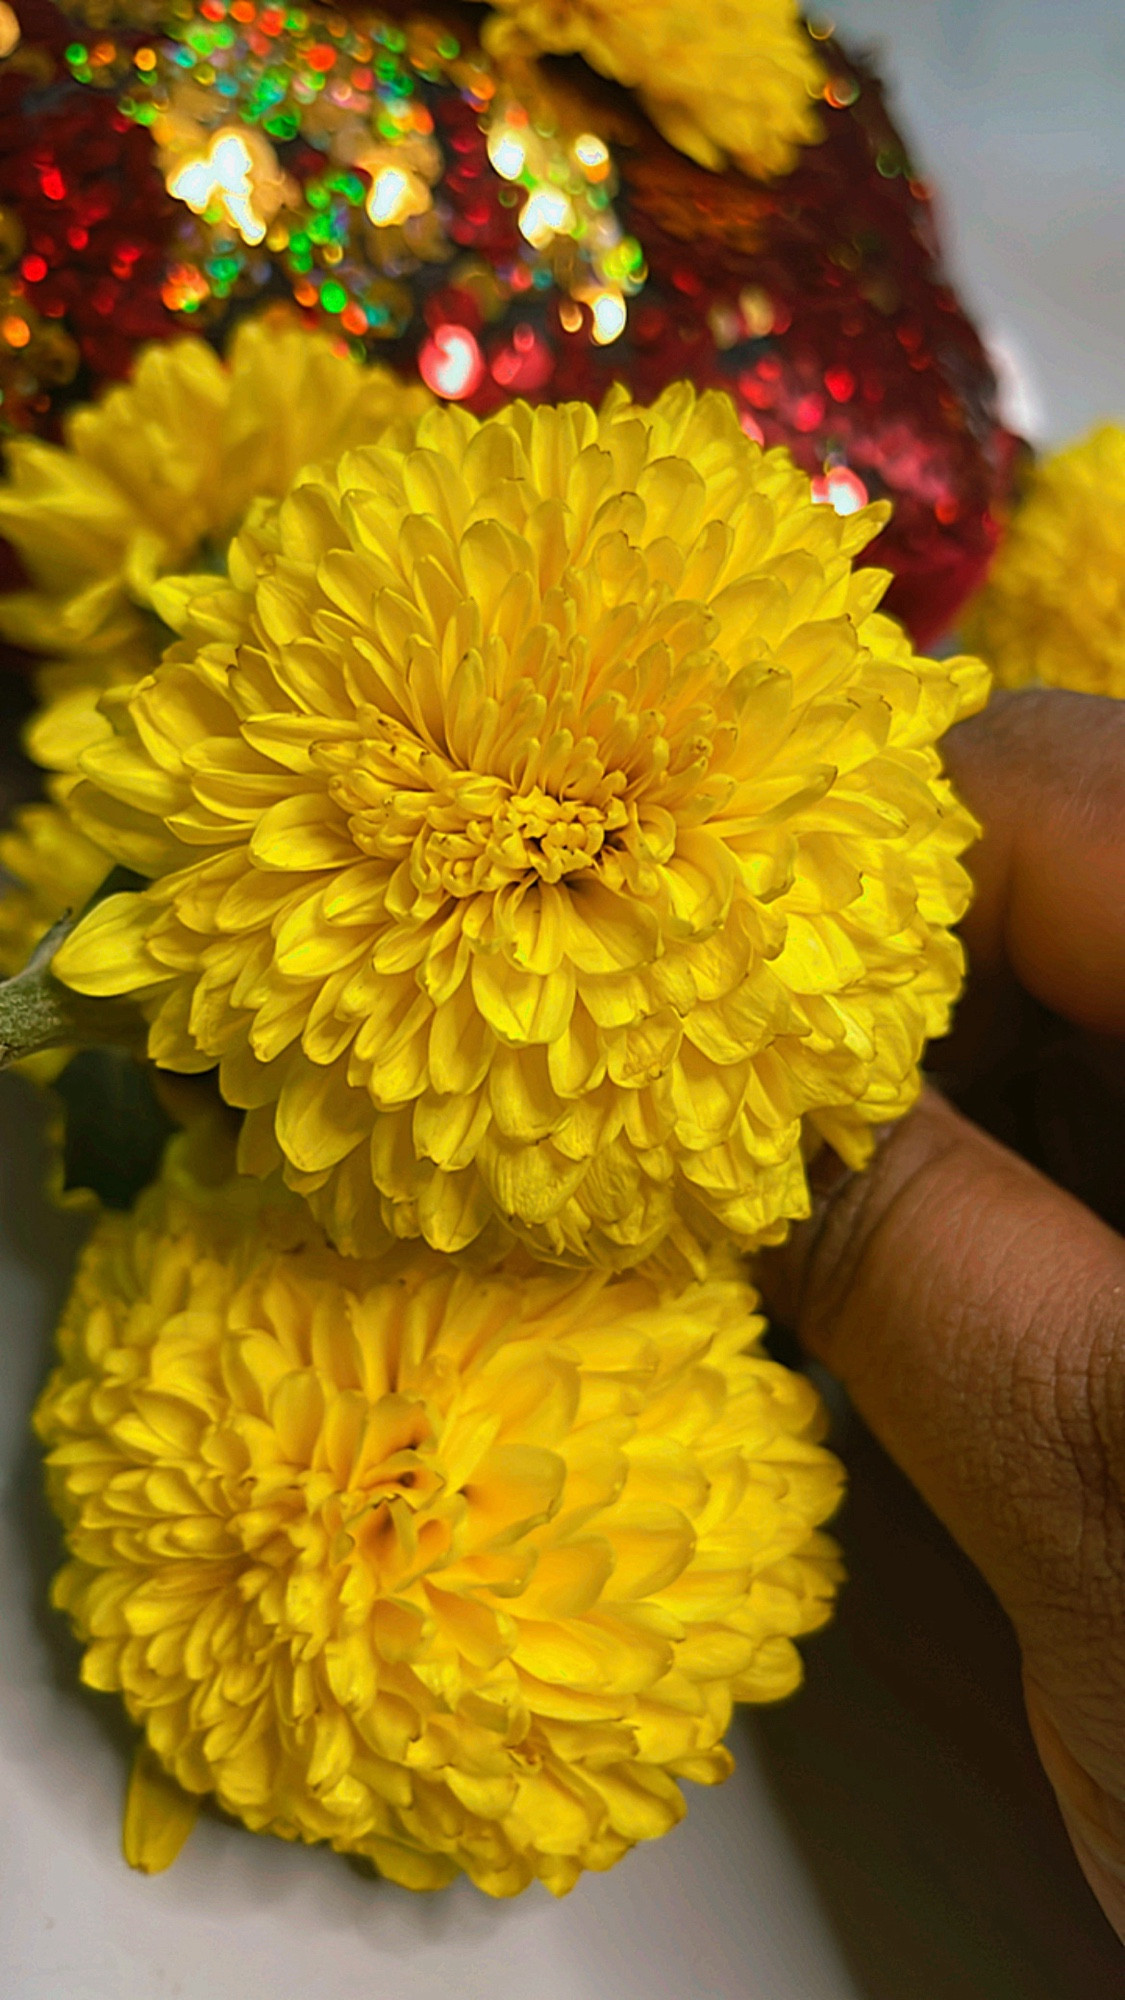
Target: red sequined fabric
x,y
84,223
818,301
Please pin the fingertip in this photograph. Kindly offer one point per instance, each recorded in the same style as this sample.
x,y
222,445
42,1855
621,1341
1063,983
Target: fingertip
x,y
963,1300
810,1274
1043,770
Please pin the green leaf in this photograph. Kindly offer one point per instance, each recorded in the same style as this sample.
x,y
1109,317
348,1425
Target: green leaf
x,y
115,1128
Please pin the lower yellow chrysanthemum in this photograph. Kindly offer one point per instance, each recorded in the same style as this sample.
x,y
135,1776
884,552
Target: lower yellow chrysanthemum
x,y
1053,608
454,1572
736,79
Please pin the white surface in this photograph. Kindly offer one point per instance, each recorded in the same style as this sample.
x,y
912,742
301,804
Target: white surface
x,y
692,1916
1016,110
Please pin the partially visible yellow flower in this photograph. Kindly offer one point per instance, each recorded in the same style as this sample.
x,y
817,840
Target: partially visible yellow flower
x,y
546,832
456,1572
731,79
156,476
53,870
1053,606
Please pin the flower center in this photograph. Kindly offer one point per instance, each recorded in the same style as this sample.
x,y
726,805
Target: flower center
x,y
553,837
379,1513
464,832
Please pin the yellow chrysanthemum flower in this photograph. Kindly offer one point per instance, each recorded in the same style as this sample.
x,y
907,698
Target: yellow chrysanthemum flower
x,y
154,477
455,1572
734,79
545,830
1053,607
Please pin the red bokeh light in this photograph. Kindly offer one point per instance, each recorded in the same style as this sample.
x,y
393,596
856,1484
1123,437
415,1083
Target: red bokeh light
x,y
451,363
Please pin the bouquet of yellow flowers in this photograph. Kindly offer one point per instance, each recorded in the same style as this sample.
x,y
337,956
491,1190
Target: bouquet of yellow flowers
x,y
470,488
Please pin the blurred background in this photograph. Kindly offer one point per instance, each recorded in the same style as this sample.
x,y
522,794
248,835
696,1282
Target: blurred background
x,y
888,1835
1014,108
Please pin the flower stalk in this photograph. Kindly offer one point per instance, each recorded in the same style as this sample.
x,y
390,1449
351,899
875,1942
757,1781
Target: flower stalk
x,y
38,1012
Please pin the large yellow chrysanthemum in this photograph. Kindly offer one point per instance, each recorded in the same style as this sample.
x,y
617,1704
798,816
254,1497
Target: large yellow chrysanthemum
x,y
545,828
452,1571
156,476
1053,607
732,79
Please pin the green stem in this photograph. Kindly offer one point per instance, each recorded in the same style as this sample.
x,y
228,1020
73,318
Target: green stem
x,y
38,1012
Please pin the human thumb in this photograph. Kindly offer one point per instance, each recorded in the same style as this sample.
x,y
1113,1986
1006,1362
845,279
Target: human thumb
x,y
976,1315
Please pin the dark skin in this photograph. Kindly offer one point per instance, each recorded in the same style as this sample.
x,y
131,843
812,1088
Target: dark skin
x,y
974,1309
